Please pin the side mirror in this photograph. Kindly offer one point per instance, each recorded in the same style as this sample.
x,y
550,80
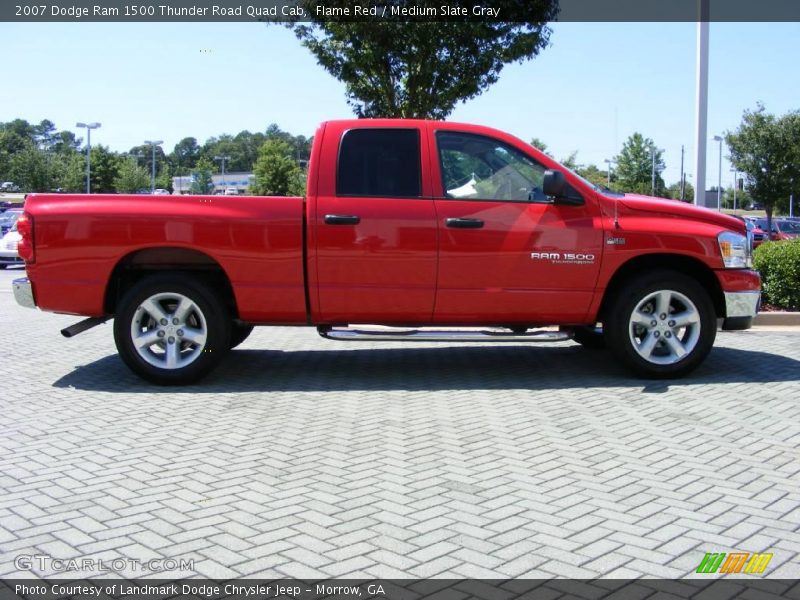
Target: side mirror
x,y
554,183
556,187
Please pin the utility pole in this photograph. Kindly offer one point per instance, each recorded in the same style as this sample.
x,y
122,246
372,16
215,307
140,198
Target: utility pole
x,y
153,143
223,159
683,179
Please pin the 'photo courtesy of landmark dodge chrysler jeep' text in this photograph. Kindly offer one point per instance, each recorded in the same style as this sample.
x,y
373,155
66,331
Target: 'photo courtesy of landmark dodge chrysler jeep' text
x,y
435,231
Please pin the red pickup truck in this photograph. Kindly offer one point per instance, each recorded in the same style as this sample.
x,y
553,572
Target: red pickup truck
x,y
424,230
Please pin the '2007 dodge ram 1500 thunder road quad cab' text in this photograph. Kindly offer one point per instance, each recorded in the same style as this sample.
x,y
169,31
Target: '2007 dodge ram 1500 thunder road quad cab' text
x,y
431,228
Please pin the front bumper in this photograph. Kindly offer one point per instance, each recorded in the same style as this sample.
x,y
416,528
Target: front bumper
x,y
740,308
23,292
742,304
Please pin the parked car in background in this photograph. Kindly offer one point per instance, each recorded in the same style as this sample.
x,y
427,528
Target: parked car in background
x,y
231,191
9,186
161,192
8,219
782,229
8,248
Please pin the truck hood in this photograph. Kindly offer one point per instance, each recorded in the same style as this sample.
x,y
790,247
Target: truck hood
x,y
676,208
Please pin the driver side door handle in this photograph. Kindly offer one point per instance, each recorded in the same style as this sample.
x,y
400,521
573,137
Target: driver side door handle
x,y
463,223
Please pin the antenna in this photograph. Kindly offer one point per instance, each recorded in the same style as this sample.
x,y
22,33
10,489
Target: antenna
x,y
616,215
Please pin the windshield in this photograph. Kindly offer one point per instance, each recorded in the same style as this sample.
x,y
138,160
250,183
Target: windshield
x,y
9,217
789,226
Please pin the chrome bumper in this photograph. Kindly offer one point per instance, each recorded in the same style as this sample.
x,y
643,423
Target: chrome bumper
x,y
741,304
23,292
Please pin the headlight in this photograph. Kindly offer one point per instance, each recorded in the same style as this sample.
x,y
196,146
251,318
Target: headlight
x,y
736,250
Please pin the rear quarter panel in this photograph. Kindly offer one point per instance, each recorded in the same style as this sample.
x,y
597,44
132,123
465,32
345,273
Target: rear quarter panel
x,y
257,241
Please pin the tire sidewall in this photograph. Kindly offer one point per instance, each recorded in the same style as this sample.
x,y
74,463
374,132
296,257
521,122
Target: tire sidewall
x,y
218,326
631,295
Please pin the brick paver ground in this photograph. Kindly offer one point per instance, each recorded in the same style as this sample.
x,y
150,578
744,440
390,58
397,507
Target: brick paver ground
x,y
305,458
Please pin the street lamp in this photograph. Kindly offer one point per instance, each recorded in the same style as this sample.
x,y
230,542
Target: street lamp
x,y
153,143
609,162
735,185
653,151
88,127
223,159
718,138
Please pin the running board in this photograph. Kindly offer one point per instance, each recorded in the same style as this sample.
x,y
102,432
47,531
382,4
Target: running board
x,y
347,334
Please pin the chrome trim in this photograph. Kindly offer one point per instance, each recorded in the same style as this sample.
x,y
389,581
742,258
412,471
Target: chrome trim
x,y
23,292
742,304
346,334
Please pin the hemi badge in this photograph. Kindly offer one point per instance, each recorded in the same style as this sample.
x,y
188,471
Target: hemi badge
x,y
615,241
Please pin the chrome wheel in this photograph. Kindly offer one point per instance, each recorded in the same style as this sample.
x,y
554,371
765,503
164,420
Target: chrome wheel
x,y
169,330
664,327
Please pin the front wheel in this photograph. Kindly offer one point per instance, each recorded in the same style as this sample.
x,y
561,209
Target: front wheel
x,y
171,329
661,325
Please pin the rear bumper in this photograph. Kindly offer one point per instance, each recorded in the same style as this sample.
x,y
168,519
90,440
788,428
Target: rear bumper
x,y
23,292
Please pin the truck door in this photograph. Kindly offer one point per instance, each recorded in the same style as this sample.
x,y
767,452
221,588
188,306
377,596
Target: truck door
x,y
507,254
374,227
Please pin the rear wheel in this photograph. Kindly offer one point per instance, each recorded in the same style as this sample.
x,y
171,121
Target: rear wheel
x,y
171,329
661,324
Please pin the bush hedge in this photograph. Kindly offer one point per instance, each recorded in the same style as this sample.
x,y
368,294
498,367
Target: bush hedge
x,y
779,266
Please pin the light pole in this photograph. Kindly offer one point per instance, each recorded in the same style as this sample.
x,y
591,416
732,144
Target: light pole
x,y
735,185
653,151
718,138
609,162
89,127
153,143
222,159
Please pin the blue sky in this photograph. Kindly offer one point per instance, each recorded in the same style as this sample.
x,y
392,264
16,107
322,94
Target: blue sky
x,y
594,86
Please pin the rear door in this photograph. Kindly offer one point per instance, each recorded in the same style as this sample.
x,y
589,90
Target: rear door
x,y
374,225
507,254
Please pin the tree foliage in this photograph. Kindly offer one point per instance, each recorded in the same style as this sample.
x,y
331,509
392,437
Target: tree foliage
x,y
131,178
766,149
202,182
635,166
276,171
397,67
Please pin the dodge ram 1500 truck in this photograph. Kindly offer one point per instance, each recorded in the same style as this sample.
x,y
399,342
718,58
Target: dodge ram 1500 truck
x,y
430,230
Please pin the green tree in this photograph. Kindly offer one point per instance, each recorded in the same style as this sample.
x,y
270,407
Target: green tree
x,y
396,67
635,166
539,145
571,161
30,170
766,149
202,182
276,171
131,178
104,170
69,171
185,154
593,174
674,191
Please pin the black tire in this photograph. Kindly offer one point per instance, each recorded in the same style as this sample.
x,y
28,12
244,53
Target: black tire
x,y
239,333
194,340
589,337
656,345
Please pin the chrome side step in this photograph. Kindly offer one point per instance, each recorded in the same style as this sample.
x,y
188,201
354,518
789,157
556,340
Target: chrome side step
x,y
385,334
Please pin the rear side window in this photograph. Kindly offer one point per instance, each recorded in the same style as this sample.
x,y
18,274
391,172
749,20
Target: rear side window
x,y
379,162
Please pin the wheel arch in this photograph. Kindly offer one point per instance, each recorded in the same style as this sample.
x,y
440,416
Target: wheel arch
x,y
686,265
136,265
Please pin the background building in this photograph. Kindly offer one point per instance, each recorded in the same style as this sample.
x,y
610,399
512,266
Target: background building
x,y
240,181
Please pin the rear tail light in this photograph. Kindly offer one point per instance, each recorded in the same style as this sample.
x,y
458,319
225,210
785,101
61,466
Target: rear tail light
x,y
25,246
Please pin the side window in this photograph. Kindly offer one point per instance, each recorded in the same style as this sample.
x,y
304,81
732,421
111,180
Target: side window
x,y
482,168
379,162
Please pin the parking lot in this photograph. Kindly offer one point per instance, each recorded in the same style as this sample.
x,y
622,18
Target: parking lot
x,y
305,458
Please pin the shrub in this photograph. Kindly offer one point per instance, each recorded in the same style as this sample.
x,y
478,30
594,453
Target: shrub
x,y
779,265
